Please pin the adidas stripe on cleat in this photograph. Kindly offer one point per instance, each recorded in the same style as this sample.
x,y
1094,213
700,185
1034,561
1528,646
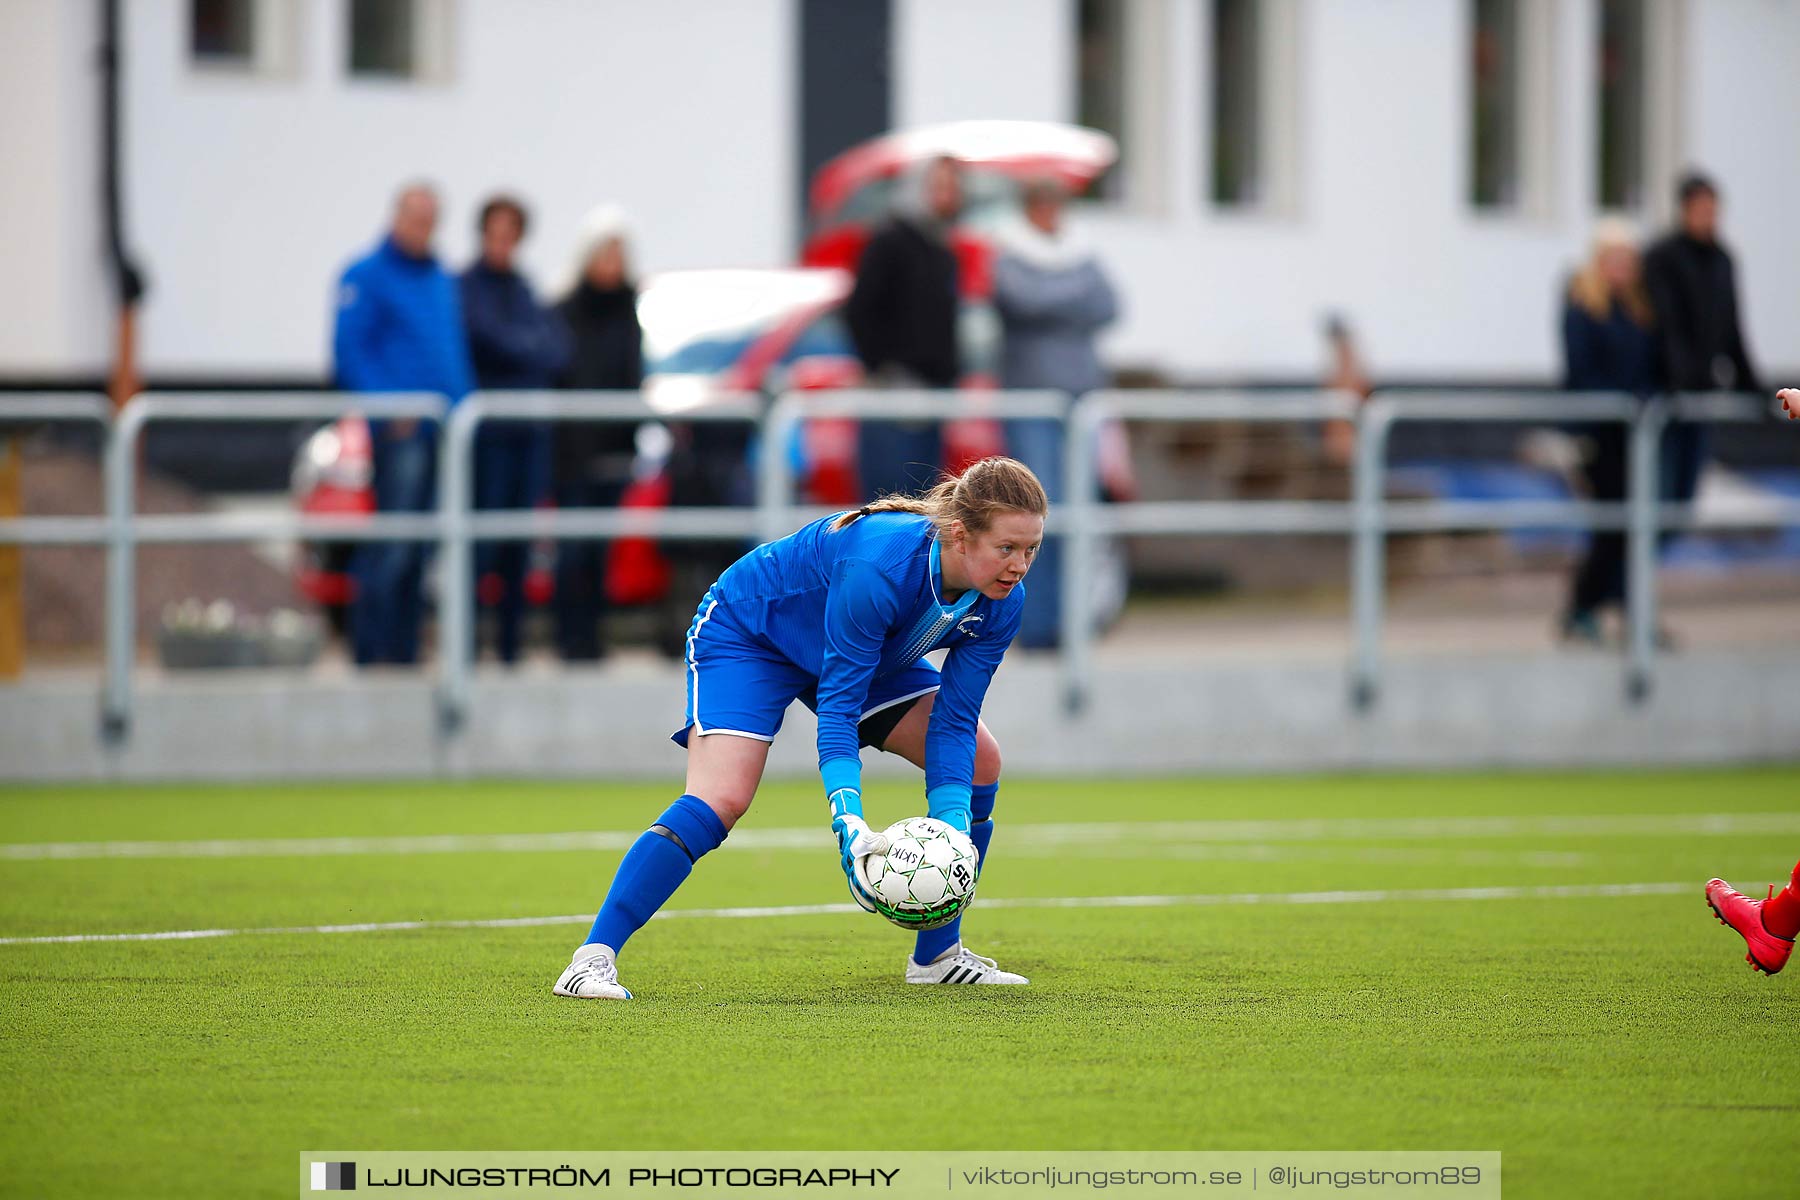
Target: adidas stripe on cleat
x,y
957,965
1767,953
593,975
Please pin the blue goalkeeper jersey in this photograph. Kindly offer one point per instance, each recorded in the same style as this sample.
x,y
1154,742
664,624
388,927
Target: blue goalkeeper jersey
x,y
849,606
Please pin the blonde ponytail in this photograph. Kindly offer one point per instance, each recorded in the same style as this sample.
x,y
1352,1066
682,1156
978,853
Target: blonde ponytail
x,y
981,493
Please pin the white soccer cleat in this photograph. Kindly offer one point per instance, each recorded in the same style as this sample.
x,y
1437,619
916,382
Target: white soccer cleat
x,y
594,975
957,965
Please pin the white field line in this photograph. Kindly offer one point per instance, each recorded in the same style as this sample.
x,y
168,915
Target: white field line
x,y
1018,836
1576,891
1347,852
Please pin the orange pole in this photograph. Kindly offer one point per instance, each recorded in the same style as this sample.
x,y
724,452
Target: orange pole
x,y
123,383
12,565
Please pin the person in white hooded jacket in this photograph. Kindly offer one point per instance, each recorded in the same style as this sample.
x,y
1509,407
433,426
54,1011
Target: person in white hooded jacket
x,y
1053,299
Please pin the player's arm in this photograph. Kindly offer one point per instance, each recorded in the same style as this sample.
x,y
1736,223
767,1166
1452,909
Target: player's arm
x,y
859,610
955,715
1790,402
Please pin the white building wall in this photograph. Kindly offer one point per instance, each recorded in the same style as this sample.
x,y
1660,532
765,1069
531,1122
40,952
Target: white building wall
x,y
996,59
247,195
1379,228
55,316
1743,122
1383,233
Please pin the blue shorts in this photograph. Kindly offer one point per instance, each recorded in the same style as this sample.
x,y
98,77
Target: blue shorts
x,y
735,686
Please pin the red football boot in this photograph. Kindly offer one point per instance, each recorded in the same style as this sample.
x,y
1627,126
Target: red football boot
x,y
1768,953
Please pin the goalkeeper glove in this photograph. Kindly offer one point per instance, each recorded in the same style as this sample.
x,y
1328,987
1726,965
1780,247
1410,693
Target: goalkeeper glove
x,y
856,842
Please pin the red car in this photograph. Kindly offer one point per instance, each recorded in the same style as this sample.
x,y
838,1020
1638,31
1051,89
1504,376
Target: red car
x,y
855,191
706,332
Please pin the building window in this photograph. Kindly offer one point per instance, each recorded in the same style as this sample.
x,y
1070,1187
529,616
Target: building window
x,y
399,39
1637,147
1251,94
1237,103
1513,101
383,38
236,38
1621,104
1100,80
1494,180
222,32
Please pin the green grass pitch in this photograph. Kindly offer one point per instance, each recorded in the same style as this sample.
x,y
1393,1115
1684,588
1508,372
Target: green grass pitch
x,y
1609,1045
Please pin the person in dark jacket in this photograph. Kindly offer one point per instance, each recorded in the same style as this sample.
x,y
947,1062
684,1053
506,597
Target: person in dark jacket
x,y
1053,299
1693,287
516,344
399,327
902,315
593,461
1609,345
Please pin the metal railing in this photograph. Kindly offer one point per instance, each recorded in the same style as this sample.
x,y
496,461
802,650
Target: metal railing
x,y
463,527
1376,517
1649,517
126,531
1087,519
1642,516
775,474
43,408
1368,518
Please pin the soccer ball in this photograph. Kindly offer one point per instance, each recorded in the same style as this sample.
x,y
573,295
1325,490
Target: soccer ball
x,y
927,877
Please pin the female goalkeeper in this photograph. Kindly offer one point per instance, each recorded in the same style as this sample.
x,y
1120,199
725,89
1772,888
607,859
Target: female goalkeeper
x,y
840,615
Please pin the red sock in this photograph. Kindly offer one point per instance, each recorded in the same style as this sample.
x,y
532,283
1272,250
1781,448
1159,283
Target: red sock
x,y
1781,915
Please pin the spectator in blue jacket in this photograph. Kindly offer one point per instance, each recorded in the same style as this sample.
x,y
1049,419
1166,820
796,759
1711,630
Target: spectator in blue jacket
x,y
399,328
1609,345
518,345
1053,299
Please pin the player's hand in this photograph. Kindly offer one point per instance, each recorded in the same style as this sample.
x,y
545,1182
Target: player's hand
x,y
856,841
1790,402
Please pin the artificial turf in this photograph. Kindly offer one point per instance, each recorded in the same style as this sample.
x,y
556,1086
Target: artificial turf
x,y
1606,1045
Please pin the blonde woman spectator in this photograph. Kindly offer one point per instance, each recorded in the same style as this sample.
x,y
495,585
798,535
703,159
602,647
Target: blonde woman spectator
x,y
1609,345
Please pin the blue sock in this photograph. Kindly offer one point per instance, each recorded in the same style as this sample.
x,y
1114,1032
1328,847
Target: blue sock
x,y
933,942
654,867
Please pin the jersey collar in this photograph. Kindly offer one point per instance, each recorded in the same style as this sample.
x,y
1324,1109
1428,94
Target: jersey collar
x,y
936,576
